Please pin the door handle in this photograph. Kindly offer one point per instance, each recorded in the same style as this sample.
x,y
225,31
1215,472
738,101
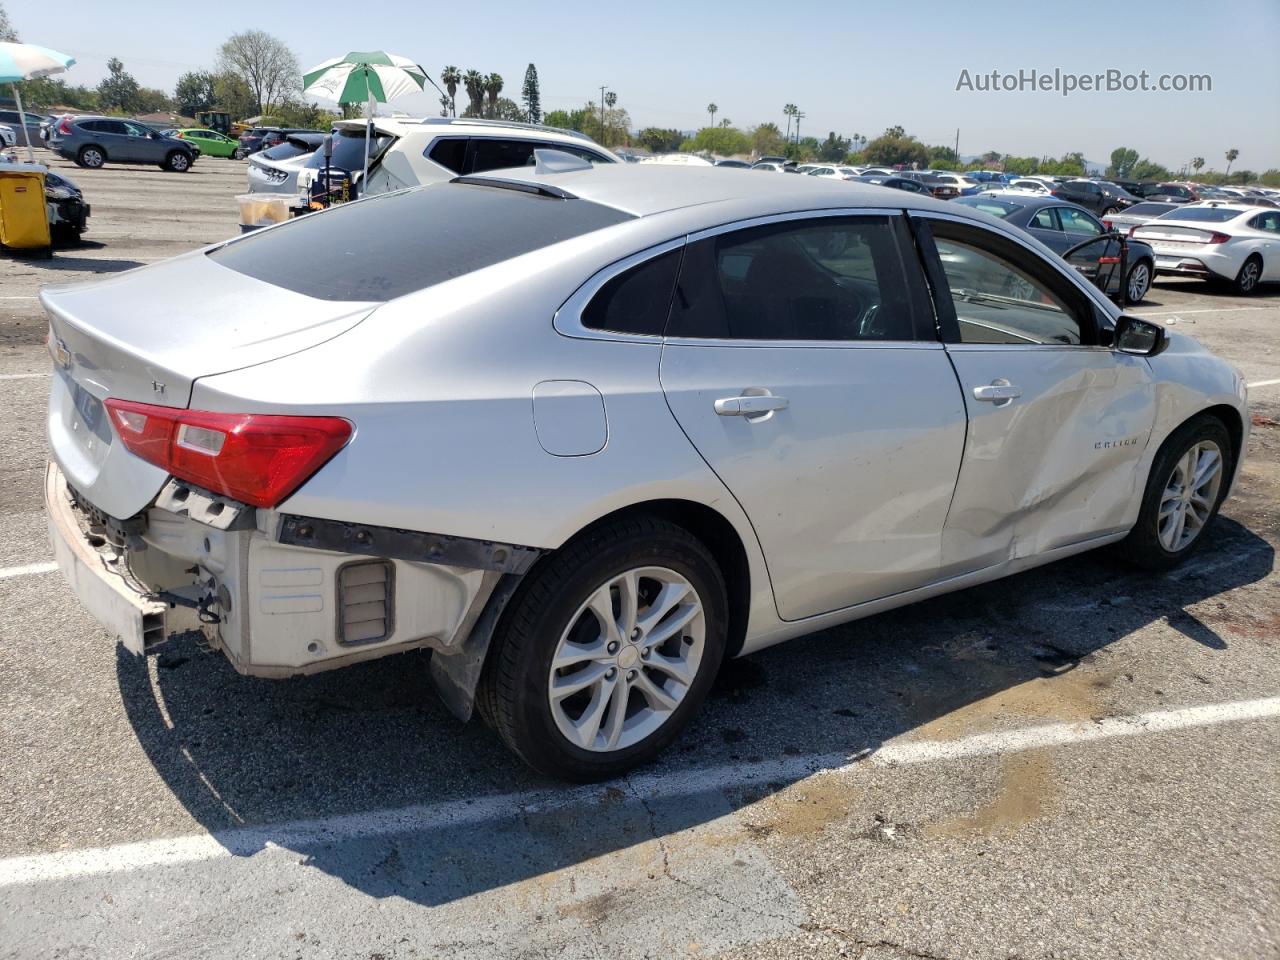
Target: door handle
x,y
749,406
998,392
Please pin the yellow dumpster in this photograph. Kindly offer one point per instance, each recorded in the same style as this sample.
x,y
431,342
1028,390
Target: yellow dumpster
x,y
24,222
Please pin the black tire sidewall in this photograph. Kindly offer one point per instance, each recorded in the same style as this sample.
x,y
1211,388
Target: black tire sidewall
x,y
1237,284
80,158
533,732
171,165
1143,544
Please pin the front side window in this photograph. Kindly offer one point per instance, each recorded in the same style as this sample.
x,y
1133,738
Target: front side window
x,y
811,279
1000,302
1044,219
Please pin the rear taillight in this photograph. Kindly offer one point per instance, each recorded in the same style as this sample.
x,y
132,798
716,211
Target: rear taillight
x,y
64,125
1216,237
255,458
1107,224
179,135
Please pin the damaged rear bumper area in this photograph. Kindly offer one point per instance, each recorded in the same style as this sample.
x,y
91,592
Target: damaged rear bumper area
x,y
282,595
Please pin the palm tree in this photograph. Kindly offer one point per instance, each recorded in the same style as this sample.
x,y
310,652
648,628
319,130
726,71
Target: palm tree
x,y
1231,158
789,111
473,81
711,109
726,123
493,87
1197,163
610,99
451,77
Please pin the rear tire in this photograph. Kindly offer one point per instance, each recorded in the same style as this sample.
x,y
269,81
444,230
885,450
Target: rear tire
x,y
1138,282
91,157
1246,282
177,162
1157,541
1110,211
635,705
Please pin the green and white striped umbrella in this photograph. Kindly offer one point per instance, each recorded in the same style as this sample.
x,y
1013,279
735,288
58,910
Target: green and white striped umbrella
x,y
364,77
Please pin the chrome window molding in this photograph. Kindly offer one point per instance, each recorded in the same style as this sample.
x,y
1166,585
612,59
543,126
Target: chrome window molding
x,y
1109,309
568,319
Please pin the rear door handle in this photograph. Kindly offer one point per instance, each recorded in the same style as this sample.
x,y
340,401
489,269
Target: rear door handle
x,y
749,406
998,392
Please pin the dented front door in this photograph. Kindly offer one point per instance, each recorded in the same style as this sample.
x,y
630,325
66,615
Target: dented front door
x,y
1055,437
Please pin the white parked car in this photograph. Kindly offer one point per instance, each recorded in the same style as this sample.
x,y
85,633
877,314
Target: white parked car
x,y
1217,240
1028,186
7,136
612,426
833,172
406,152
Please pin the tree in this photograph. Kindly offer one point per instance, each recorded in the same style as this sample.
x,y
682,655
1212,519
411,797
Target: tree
x,y
49,92
1197,163
1123,160
493,87
531,96
473,83
559,118
660,140
151,100
894,146
711,109
119,91
195,92
1148,170
766,140
7,33
723,141
834,148
1231,158
264,63
1021,165
942,157
451,77
508,109
234,95
789,110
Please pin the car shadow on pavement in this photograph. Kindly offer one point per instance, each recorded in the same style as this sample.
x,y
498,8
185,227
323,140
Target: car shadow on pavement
x,y
60,261
247,757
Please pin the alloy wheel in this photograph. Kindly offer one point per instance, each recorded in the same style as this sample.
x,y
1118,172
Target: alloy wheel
x,y
1139,282
627,659
1249,276
1189,496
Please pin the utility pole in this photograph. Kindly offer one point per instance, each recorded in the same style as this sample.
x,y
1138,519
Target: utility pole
x,y
957,146
603,87
799,117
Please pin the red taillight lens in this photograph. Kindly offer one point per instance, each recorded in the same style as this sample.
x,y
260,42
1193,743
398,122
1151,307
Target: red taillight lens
x,y
256,458
1107,224
64,126
1216,237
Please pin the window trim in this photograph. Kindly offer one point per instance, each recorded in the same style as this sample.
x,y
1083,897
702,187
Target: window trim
x,y
1104,312
567,320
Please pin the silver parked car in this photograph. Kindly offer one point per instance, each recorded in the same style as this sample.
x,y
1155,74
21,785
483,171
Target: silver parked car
x,y
612,426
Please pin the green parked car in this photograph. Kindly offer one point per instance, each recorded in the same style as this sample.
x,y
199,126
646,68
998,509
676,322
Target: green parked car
x,y
210,142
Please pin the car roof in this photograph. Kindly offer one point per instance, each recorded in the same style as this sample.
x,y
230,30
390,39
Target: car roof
x,y
1236,208
647,189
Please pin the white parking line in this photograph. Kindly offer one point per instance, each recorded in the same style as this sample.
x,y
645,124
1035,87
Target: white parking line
x,y
23,376
1187,313
30,569
301,834
19,298
1263,383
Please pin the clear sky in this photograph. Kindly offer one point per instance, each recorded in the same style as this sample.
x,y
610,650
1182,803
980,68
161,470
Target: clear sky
x,y
851,66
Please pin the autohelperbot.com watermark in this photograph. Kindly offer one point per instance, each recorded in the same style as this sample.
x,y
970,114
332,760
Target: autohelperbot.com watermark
x,y
1065,83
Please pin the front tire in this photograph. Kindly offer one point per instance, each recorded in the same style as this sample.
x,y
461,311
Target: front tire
x,y
1184,491
607,650
1246,281
177,162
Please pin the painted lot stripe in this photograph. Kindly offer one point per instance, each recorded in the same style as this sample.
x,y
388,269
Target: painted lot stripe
x,y
1188,313
304,834
24,376
1262,383
27,570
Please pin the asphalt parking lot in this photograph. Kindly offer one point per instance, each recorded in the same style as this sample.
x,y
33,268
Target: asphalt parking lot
x,y
1078,762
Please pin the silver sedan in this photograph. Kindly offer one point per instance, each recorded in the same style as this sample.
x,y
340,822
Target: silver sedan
x,y
585,433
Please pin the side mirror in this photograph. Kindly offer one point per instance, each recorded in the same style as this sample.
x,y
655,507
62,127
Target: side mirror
x,y
1138,337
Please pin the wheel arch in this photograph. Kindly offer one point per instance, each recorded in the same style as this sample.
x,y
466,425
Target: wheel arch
x,y
94,146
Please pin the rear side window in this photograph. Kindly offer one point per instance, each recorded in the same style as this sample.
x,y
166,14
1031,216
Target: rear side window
x,y
348,150
450,154
636,300
286,151
387,246
813,279
500,154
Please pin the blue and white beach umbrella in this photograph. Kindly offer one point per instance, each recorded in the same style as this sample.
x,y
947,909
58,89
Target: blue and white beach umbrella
x,y
26,61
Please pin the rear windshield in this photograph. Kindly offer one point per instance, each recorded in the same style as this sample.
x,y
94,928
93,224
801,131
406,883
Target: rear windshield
x,y
287,150
1203,214
1149,209
391,245
348,150
997,208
